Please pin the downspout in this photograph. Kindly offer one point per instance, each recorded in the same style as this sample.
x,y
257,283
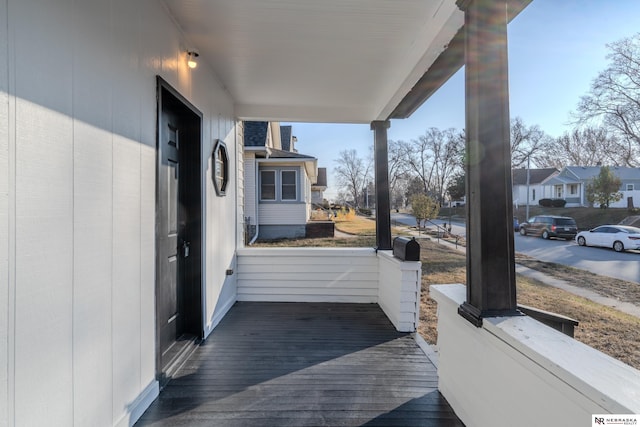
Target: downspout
x,y
257,195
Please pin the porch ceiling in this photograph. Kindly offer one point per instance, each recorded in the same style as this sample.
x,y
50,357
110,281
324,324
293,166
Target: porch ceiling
x,y
324,61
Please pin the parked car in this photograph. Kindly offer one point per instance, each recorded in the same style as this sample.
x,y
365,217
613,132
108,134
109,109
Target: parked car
x,y
548,226
618,237
516,224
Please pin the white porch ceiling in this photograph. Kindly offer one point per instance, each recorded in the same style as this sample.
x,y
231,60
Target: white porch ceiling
x,y
318,60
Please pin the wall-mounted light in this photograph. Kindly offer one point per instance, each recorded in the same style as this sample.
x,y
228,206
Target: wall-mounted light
x,y
192,56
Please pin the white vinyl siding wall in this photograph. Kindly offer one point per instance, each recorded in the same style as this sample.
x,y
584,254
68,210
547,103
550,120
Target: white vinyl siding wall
x,y
250,189
77,229
399,291
282,213
308,275
520,194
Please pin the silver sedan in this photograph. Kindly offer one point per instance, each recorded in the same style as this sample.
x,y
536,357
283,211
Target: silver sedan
x,y
618,237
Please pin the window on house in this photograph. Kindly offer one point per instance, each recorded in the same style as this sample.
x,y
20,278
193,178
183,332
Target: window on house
x,y
267,185
533,194
559,192
573,189
629,187
289,187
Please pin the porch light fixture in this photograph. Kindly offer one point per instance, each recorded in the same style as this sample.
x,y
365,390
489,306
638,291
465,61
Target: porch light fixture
x,y
191,58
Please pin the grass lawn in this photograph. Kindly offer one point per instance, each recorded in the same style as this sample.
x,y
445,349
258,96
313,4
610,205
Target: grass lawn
x,y
606,329
362,226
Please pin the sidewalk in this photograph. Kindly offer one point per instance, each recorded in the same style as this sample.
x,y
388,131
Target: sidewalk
x,y
625,307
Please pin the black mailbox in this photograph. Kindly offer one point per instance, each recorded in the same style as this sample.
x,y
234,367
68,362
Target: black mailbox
x,y
407,249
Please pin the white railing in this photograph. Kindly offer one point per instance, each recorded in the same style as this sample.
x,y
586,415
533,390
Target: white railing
x,y
345,275
517,371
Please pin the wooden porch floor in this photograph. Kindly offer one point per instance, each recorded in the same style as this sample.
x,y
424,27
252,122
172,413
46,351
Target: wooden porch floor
x,y
292,364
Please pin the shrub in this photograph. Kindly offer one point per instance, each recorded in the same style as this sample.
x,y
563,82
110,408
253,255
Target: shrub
x,y
365,211
558,203
547,203
345,214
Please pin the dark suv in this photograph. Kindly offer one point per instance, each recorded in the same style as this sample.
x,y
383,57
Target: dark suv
x,y
547,226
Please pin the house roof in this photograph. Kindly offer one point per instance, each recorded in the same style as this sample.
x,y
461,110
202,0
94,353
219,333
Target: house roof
x,y
336,61
282,154
255,134
536,176
589,172
577,174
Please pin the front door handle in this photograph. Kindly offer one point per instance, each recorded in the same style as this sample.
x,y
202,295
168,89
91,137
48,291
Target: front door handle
x,y
185,248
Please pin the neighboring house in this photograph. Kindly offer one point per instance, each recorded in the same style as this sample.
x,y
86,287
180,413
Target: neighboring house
x,y
531,180
278,180
571,182
318,188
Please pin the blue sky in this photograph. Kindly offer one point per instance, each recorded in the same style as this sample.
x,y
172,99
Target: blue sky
x,y
556,48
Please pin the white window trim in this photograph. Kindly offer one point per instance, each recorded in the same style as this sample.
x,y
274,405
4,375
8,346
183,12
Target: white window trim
x,y
630,187
577,188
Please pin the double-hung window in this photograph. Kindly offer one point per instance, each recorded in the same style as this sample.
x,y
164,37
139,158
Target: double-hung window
x,y
279,185
288,183
267,185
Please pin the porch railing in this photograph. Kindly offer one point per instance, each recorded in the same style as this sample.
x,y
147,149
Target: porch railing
x,y
349,275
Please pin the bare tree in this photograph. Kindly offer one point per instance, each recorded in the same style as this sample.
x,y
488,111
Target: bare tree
x,y
433,158
446,159
419,159
527,143
398,173
353,173
587,146
614,98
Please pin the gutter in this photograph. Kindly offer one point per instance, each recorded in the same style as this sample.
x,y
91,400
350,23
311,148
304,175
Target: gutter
x,y
255,237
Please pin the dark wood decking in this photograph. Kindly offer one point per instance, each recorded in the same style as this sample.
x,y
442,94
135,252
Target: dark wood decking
x,y
290,364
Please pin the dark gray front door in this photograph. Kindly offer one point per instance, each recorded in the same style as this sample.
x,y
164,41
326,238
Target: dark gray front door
x,y
173,249
178,230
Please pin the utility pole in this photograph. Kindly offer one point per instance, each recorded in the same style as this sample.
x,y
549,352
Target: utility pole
x,y
528,179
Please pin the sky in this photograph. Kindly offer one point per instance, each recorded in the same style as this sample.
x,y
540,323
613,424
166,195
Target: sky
x,y
556,49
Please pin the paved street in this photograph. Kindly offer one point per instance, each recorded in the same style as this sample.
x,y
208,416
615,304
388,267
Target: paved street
x,y
603,261
606,262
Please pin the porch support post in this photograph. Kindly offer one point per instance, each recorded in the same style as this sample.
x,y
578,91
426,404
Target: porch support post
x,y
383,205
491,289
